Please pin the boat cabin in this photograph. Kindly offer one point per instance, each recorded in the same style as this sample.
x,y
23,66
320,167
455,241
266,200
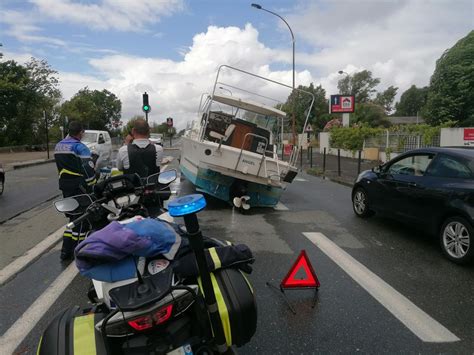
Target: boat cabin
x,y
242,124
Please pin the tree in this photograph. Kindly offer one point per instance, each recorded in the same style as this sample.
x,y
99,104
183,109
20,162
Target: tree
x,y
451,93
318,116
95,109
386,98
411,101
25,92
360,84
370,114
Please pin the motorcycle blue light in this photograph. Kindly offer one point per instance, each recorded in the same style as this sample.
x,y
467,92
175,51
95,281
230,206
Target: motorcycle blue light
x,y
186,205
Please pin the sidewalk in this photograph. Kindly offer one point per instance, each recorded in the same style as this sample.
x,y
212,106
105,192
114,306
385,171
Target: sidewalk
x,y
16,159
348,167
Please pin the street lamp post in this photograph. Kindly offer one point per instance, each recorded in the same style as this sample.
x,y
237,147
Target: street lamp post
x,y
223,88
345,116
259,7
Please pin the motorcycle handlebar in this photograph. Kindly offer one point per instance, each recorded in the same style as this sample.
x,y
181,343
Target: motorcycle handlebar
x,y
78,220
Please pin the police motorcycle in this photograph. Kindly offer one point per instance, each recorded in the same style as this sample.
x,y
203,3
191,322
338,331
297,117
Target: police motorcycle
x,y
198,302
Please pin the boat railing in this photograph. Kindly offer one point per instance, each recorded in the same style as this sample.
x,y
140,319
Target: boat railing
x,y
263,155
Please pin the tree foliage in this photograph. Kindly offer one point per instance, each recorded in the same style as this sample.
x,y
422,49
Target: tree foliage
x,y
412,101
451,93
95,109
386,98
25,93
369,114
360,84
318,116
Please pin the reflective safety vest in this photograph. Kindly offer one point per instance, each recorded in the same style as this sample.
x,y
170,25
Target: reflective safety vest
x,y
74,163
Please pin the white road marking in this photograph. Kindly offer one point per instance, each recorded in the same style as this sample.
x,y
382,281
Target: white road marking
x,y
21,262
20,329
421,324
280,207
300,179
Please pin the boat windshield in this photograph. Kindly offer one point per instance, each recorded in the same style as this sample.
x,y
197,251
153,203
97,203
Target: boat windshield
x,y
264,121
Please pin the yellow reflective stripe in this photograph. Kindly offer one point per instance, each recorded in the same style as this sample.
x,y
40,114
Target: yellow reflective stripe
x,y
248,282
223,311
222,308
84,335
39,346
67,234
66,171
215,258
91,182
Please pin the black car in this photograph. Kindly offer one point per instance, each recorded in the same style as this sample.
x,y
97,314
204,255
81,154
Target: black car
x,y
2,179
432,188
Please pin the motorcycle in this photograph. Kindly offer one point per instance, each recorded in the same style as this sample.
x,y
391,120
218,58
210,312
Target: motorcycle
x,y
197,303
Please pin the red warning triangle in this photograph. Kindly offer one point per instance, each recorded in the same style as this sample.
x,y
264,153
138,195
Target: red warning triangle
x,y
302,263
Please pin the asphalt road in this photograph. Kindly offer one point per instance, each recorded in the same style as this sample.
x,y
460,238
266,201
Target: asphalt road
x,y
26,188
347,318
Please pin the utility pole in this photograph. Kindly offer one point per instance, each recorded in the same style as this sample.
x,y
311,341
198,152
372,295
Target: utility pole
x,y
47,133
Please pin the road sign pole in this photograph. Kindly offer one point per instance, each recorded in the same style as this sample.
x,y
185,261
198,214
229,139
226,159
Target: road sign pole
x,y
47,133
345,119
146,116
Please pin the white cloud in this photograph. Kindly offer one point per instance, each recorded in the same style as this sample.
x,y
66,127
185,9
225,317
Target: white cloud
x,y
399,41
175,87
24,28
123,15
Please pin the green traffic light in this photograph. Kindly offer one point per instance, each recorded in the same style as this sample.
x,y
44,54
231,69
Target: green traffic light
x,y
146,108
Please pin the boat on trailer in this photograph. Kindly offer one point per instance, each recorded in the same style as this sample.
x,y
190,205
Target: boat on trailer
x,y
230,152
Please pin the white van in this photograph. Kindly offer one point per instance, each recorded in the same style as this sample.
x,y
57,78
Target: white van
x,y
99,143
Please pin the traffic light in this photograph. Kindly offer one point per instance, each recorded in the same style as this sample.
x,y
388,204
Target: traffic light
x,y
146,106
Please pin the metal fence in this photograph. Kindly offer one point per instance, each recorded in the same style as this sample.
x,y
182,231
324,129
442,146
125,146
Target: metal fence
x,y
400,143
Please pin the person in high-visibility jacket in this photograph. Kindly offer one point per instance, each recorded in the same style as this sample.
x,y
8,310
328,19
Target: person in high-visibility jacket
x,y
76,176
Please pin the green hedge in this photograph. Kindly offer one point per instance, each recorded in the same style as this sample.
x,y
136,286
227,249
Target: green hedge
x,y
352,138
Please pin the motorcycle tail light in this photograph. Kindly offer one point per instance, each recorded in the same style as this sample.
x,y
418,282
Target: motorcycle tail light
x,y
141,323
163,314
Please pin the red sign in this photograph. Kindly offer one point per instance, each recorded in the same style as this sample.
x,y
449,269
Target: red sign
x,y
287,149
301,264
342,104
469,134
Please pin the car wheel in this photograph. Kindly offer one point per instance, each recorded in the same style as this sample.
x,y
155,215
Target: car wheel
x,y
360,203
456,240
2,184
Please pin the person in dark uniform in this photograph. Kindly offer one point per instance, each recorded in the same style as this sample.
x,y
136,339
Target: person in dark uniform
x,y
140,156
76,176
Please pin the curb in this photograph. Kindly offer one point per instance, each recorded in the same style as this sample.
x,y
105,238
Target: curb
x,y
26,164
20,263
333,179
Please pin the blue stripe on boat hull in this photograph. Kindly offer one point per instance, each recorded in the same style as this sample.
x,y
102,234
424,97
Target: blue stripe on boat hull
x,y
218,185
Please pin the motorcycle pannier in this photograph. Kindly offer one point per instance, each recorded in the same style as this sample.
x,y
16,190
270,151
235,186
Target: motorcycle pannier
x,y
236,304
72,333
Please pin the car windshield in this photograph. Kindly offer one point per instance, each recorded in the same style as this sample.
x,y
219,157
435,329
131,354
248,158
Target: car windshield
x,y
89,137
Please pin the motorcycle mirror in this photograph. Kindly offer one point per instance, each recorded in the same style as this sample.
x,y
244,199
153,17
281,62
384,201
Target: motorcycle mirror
x,y
152,179
66,205
167,177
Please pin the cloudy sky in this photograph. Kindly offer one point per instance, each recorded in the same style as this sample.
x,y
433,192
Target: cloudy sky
x,y
172,48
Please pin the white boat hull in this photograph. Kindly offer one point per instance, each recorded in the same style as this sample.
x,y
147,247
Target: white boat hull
x,y
226,172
